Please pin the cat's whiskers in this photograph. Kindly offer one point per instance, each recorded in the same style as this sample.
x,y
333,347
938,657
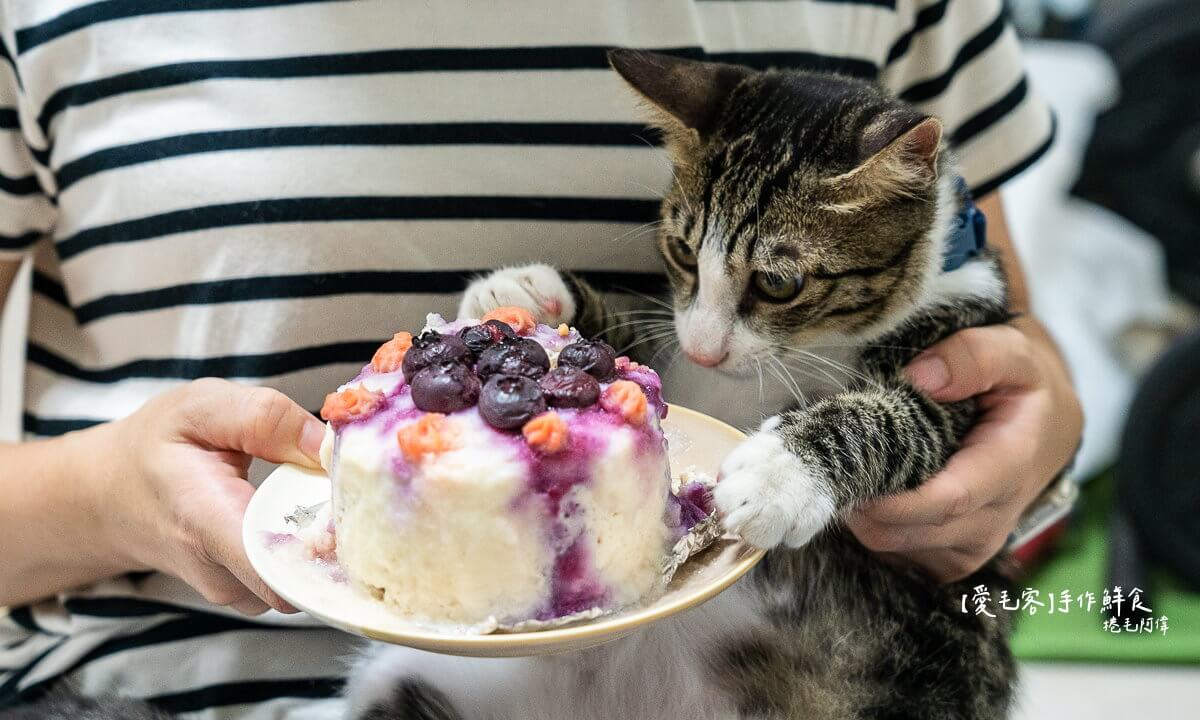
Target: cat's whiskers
x,y
660,154
658,194
783,368
806,368
654,311
652,337
641,329
646,330
648,298
647,316
758,363
815,370
687,204
647,323
818,373
789,382
798,398
674,343
879,346
849,371
650,226
757,219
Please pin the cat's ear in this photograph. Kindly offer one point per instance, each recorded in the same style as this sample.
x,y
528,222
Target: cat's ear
x,y
898,155
688,94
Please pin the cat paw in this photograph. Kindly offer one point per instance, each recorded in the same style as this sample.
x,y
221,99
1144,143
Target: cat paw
x,y
769,496
538,288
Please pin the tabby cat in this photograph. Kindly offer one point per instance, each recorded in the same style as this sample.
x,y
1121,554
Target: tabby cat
x,y
807,210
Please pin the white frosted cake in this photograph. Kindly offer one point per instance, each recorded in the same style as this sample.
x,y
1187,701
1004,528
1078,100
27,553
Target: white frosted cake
x,y
500,471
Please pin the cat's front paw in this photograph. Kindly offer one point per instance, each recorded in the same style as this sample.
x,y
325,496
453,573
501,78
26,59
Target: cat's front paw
x,y
538,288
769,496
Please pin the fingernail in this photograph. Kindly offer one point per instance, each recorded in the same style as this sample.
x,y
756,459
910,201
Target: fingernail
x,y
310,439
929,372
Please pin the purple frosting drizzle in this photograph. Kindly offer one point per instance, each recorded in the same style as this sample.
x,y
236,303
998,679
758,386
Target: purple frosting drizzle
x,y
274,539
689,507
574,586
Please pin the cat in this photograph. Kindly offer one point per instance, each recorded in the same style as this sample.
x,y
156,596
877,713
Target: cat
x,y
65,705
806,210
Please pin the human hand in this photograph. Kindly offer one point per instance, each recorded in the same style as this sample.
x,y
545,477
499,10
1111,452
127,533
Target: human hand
x,y
1028,430
175,490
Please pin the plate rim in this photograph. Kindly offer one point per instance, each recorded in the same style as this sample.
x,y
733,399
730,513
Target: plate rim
x,y
564,638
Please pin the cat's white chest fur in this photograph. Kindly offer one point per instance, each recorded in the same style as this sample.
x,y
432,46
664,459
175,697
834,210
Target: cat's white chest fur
x,y
659,672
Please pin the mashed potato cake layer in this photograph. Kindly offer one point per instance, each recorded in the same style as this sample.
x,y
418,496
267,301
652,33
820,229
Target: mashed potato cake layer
x,y
448,541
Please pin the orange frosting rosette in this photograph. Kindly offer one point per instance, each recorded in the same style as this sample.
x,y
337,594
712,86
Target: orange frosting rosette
x,y
350,404
546,433
429,435
625,397
518,318
390,355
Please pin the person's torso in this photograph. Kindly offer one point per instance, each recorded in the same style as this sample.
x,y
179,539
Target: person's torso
x,y
265,193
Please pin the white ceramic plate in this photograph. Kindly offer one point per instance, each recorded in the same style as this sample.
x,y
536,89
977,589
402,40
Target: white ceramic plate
x,y
696,441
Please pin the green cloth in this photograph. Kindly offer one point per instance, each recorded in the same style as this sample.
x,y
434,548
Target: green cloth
x,y
1079,564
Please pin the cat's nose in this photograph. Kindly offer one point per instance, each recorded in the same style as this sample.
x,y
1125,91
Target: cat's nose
x,y
708,358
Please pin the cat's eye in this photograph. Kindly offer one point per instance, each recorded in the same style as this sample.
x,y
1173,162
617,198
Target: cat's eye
x,y
777,288
683,253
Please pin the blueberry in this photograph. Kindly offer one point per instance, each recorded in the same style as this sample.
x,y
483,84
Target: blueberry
x,y
477,337
432,348
509,401
514,356
480,337
499,326
445,387
570,387
594,357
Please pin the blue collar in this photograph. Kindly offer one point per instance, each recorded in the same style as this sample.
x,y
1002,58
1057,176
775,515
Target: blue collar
x,y
968,231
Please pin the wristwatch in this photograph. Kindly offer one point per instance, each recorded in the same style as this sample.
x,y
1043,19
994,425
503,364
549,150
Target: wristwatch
x,y
1054,504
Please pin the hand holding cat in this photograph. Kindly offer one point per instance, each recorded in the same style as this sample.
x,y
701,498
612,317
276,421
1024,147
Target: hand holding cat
x,y
1029,428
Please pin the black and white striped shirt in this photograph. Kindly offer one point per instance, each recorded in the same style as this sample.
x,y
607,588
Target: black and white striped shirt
x,y
264,189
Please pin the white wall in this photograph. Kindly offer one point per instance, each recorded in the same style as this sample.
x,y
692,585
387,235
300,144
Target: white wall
x,y
12,350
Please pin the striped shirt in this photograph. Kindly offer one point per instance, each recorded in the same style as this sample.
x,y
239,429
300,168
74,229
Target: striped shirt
x,y
263,190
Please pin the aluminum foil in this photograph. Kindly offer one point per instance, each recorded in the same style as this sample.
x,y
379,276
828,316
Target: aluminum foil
x,y
704,533
302,516
699,537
